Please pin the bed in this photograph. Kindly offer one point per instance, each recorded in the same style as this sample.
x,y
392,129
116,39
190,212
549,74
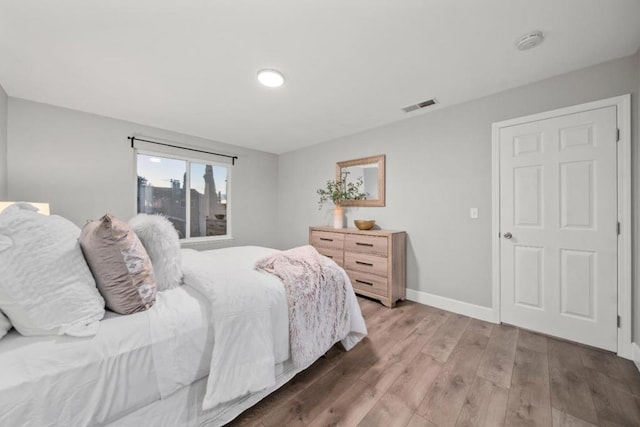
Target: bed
x,y
152,367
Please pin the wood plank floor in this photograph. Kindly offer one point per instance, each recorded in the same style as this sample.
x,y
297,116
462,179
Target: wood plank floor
x,y
421,366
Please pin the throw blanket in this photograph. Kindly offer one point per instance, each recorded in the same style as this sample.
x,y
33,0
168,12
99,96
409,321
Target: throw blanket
x,y
317,300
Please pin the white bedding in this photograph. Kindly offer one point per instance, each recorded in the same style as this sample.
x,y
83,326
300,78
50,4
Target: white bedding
x,y
250,319
184,407
65,381
135,361
249,312
246,302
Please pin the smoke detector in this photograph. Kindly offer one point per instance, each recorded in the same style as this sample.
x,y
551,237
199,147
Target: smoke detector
x,y
529,40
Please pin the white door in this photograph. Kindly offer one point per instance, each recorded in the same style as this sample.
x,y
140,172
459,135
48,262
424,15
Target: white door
x,y
558,226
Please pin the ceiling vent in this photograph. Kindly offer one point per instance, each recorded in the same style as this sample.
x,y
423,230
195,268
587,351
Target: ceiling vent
x,y
419,105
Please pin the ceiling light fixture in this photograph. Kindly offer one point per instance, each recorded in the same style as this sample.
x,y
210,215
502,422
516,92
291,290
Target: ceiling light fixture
x,y
529,40
270,78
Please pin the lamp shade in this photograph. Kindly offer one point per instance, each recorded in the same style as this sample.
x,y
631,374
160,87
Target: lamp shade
x,y
43,208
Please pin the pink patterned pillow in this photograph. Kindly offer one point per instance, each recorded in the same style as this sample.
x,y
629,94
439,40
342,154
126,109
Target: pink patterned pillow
x,y
120,265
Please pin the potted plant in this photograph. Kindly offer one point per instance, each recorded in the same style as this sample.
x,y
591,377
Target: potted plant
x,y
337,191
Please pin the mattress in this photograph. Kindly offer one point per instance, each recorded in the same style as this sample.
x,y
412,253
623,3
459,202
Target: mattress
x,y
60,380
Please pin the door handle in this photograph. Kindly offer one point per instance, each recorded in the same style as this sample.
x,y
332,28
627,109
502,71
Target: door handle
x,y
508,235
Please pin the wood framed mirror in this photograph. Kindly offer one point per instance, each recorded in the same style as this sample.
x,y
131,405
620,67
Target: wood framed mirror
x,y
371,170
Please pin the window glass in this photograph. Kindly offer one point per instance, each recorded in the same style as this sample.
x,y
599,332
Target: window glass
x,y
208,200
162,184
161,189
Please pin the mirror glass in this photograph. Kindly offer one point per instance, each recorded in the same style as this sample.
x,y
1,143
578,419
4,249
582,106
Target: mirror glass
x,y
371,171
369,175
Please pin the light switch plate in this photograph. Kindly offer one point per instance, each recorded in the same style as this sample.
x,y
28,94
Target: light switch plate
x,y
473,213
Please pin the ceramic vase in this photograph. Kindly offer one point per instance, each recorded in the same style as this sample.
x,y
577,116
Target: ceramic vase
x,y
338,217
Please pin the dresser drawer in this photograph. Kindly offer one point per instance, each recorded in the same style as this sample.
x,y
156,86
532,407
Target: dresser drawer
x,y
327,239
334,254
368,244
366,263
368,283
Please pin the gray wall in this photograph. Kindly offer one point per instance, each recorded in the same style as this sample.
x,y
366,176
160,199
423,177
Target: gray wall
x,y
438,166
3,143
83,165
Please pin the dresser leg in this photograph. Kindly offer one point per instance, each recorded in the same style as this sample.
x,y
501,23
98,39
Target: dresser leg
x,y
388,303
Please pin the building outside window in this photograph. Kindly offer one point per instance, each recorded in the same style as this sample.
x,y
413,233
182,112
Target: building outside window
x,y
192,194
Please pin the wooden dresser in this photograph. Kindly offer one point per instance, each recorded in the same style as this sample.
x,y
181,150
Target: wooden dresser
x,y
375,260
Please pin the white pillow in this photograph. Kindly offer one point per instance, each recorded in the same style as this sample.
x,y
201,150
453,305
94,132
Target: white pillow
x,y
46,287
160,238
5,325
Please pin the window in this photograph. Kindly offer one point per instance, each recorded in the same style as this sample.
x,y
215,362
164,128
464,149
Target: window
x,y
200,212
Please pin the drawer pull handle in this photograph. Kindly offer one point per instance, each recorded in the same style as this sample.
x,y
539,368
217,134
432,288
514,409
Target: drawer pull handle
x,y
368,264
326,240
364,244
329,256
364,283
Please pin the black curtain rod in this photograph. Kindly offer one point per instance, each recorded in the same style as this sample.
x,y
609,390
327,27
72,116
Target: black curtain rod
x,y
133,138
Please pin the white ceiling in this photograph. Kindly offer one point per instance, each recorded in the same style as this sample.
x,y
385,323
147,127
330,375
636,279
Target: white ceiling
x,y
350,65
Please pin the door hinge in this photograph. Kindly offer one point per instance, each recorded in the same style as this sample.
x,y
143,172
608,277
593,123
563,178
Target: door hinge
x,y
618,228
618,321
617,135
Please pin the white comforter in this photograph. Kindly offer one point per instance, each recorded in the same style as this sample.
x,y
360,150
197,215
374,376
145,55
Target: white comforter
x,y
249,315
68,381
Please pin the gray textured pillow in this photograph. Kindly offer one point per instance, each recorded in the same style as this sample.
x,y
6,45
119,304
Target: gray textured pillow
x,y
162,243
120,265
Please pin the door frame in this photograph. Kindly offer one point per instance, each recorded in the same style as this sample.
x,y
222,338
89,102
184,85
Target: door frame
x,y
623,107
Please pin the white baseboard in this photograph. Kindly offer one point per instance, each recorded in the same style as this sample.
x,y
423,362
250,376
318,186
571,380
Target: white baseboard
x,y
460,307
636,355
